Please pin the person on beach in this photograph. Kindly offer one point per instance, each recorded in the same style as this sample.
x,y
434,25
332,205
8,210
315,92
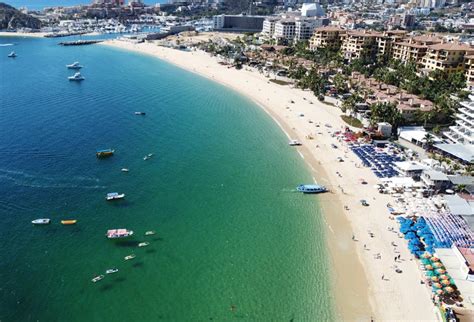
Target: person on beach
x,y
383,277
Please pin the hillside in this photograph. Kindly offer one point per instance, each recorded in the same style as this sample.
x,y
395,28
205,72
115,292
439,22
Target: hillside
x,y
11,18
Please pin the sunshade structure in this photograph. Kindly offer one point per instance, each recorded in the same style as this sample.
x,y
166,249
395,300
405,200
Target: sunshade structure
x,y
381,163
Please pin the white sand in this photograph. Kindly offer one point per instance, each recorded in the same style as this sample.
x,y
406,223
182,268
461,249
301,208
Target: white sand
x,y
22,34
398,296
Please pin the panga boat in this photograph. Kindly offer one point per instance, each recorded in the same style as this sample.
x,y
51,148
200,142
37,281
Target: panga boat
x,y
144,244
114,196
140,113
118,233
69,222
97,278
41,221
12,54
294,143
111,271
311,188
104,153
129,257
74,65
150,232
77,77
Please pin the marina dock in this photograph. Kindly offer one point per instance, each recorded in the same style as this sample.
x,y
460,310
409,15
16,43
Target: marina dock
x,y
80,42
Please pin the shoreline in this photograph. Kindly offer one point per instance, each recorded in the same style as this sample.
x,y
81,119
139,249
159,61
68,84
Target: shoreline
x,y
22,34
360,292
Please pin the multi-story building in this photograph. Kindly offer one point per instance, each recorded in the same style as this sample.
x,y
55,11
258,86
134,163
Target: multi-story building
x,y
326,37
447,57
285,29
269,26
469,61
304,27
386,40
414,48
356,41
463,131
238,23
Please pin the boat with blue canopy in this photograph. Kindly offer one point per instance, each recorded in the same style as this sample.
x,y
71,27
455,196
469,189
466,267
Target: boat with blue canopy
x,y
311,188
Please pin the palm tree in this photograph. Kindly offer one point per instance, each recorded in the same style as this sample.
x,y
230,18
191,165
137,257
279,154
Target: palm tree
x,y
428,138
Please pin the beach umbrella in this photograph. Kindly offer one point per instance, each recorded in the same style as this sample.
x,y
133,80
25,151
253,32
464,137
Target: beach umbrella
x,y
439,292
426,256
435,259
449,289
440,271
444,277
437,264
429,273
434,278
445,282
437,285
429,267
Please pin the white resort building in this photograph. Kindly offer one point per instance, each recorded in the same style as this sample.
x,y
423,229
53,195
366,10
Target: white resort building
x,y
463,131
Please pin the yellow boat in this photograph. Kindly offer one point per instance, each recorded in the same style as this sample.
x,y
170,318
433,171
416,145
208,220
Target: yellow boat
x,y
68,222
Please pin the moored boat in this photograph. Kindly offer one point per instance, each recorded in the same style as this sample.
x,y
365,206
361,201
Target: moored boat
x,y
129,257
124,170
104,153
150,232
294,143
12,54
114,196
140,113
41,221
144,244
311,188
74,65
97,278
111,271
118,233
69,222
76,77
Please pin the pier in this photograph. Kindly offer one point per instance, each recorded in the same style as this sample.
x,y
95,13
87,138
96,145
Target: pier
x,y
80,42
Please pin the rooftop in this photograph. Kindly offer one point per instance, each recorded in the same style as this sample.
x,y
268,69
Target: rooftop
x,y
464,152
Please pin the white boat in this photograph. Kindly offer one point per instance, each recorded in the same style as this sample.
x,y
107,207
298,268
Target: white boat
x,y
77,77
294,143
150,155
12,54
41,221
111,271
144,244
124,170
146,157
118,233
140,113
114,196
74,65
97,278
150,232
129,257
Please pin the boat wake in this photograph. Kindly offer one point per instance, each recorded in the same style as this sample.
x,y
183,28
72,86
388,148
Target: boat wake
x,y
24,179
6,45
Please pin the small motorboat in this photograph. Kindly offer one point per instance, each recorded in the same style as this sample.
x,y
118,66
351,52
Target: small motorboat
x,y
12,54
104,153
98,278
294,143
69,222
150,232
76,77
41,221
74,65
140,113
118,233
150,155
129,257
124,170
114,196
146,158
111,271
144,244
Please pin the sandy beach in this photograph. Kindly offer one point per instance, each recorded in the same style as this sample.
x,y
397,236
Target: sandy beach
x,y
365,282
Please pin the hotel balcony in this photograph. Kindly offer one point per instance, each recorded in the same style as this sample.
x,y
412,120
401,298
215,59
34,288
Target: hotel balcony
x,y
466,135
453,137
466,111
466,119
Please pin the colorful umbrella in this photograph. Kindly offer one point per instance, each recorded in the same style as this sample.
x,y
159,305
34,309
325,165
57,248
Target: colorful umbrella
x,y
445,282
444,277
435,279
449,289
437,264
435,259
440,271
439,292
437,285
426,255
429,273
429,267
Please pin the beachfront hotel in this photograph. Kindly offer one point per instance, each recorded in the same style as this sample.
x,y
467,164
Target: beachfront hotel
x,y
326,37
356,41
469,59
447,57
463,131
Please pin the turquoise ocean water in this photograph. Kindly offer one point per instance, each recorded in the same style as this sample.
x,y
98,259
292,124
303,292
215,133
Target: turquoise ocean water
x,y
234,240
